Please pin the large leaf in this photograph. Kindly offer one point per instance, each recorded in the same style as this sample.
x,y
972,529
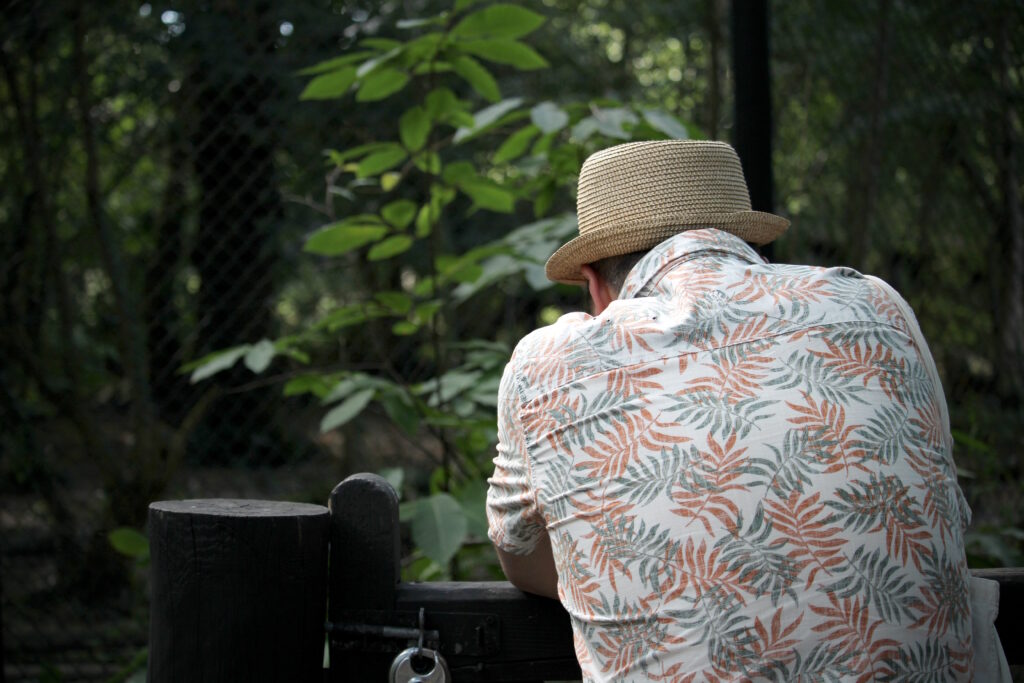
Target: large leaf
x,y
392,246
486,117
610,122
439,527
515,145
414,128
333,64
504,51
340,238
348,409
215,362
399,213
381,160
549,117
380,84
498,21
330,85
472,498
478,77
339,158
258,358
666,123
488,195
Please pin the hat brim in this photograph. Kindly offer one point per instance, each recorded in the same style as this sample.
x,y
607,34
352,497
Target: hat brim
x,y
756,227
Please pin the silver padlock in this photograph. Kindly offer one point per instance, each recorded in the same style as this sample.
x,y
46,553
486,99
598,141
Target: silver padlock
x,y
402,671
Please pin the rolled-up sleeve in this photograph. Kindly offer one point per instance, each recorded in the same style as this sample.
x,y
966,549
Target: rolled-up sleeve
x,y
514,522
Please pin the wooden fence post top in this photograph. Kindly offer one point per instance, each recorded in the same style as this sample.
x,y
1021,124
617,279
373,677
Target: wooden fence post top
x,y
371,484
238,507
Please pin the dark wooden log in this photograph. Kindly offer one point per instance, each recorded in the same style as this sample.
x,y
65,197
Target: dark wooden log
x,y
238,591
365,571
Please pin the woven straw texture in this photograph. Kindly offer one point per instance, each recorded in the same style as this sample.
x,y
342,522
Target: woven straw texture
x,y
633,196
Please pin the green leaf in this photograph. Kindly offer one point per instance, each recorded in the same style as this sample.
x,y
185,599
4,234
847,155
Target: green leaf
x,y
414,128
423,49
487,116
215,362
472,498
389,181
584,128
666,123
425,312
458,171
381,160
333,64
515,145
396,301
129,542
371,64
399,213
392,246
339,158
258,358
504,51
348,409
380,43
424,221
478,77
549,117
317,385
403,328
416,23
340,238
394,476
442,103
498,21
610,122
439,527
428,162
329,85
488,195
401,411
380,84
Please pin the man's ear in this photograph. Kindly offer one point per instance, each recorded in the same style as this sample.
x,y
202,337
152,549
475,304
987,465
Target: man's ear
x,y
600,293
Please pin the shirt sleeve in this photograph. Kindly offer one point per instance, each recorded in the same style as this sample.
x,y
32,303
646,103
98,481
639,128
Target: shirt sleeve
x,y
513,519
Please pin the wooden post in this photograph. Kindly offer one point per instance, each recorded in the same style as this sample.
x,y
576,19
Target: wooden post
x,y
365,571
238,591
752,129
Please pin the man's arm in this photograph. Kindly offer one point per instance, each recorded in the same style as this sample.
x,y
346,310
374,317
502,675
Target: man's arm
x,y
533,573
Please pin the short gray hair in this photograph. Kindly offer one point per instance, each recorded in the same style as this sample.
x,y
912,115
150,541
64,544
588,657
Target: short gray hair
x,y
614,269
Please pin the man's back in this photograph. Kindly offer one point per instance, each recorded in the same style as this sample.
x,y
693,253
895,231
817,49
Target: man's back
x,y
744,474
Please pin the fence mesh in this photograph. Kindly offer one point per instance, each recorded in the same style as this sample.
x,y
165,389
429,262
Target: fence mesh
x,y
160,172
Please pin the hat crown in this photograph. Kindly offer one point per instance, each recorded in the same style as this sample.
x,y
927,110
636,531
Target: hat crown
x,y
680,182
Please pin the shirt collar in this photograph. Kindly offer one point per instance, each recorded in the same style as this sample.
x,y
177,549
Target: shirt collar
x,y
684,246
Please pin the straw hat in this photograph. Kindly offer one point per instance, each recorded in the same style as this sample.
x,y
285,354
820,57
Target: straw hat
x,y
633,196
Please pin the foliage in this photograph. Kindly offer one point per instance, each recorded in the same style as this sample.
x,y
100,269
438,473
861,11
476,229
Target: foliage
x,y
448,158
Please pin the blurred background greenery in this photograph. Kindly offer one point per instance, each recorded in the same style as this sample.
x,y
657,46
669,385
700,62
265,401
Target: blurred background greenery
x,y
168,171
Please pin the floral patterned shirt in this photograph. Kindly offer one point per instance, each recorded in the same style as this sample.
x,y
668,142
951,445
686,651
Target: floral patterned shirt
x,y
744,473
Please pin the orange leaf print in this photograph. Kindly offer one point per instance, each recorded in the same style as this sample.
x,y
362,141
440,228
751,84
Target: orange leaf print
x,y
713,476
801,523
829,434
620,441
854,360
848,624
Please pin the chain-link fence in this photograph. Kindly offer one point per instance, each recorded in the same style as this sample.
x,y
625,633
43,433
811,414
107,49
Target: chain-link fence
x,y
159,173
